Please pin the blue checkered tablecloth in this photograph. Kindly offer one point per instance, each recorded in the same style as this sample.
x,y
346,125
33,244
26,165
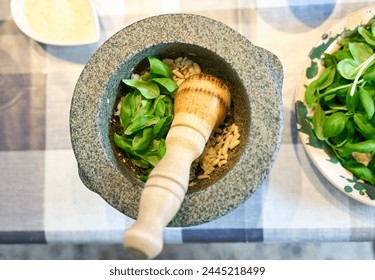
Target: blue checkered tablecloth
x,y
42,199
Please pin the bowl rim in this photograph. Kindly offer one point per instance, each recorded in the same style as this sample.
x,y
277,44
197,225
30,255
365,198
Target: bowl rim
x,y
263,139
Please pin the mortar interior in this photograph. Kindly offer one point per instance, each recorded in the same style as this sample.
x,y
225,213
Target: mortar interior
x,y
210,63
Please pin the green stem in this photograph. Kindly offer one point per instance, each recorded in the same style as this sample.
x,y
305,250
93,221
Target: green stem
x,y
337,88
335,109
335,147
360,72
332,90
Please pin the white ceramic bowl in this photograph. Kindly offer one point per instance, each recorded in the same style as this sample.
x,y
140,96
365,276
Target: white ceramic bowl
x,y
69,34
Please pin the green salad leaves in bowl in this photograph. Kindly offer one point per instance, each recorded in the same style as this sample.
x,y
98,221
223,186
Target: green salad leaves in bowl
x,y
336,106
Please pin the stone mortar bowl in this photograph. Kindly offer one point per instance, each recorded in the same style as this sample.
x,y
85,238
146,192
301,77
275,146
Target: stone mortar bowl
x,y
254,76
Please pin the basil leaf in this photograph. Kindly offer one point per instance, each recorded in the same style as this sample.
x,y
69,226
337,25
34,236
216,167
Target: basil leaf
x,y
168,86
143,178
342,54
334,124
140,162
148,89
161,128
369,74
371,165
158,68
310,93
360,52
325,80
344,154
142,140
352,101
168,106
161,149
140,123
154,145
133,102
364,126
350,127
150,157
329,60
341,138
370,38
318,121
348,68
126,112
362,147
359,170
144,108
367,102
122,143
159,107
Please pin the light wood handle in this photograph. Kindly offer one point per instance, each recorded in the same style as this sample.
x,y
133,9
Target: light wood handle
x,y
164,192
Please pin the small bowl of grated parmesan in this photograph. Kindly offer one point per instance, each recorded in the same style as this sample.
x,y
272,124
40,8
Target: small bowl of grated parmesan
x,y
56,22
118,129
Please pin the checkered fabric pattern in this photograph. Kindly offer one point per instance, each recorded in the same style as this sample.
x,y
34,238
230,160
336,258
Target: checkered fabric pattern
x,y
42,199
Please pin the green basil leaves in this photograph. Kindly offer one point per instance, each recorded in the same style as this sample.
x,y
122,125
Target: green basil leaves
x,y
343,102
159,69
147,89
349,67
146,115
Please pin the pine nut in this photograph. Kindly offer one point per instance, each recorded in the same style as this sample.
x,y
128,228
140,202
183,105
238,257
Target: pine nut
x,y
188,63
192,70
178,74
229,138
234,144
215,162
197,68
222,162
235,137
178,59
225,148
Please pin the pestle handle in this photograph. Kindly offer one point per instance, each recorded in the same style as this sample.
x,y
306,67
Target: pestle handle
x,y
164,192
201,103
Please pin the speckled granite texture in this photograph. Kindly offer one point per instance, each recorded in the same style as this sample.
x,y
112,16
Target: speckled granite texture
x,y
253,74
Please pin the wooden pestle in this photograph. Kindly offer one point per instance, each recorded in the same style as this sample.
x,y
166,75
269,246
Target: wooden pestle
x,y
201,104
